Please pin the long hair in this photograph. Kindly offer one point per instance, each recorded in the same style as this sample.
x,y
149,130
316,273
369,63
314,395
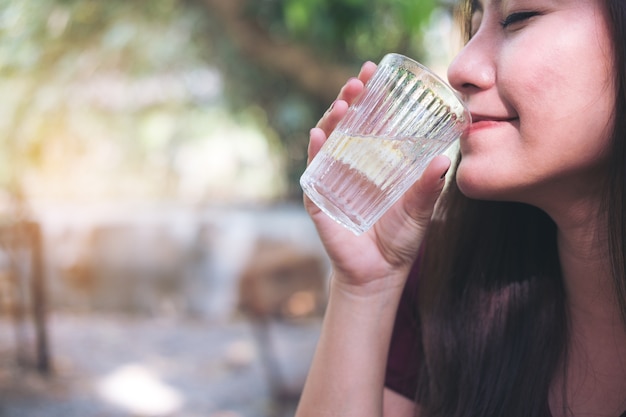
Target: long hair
x,y
616,190
492,302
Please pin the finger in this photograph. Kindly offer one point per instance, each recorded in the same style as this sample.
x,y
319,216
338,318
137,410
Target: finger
x,y
354,86
367,70
317,137
351,90
347,95
332,116
421,198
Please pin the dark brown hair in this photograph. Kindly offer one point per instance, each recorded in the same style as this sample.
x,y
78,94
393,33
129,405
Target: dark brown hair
x,y
492,302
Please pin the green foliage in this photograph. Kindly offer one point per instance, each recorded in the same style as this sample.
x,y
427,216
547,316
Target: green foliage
x,y
345,32
69,72
361,28
53,51
35,35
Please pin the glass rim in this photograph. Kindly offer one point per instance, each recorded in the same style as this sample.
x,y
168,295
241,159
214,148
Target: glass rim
x,y
436,81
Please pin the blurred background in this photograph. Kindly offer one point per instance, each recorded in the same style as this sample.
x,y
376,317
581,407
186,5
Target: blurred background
x,y
155,258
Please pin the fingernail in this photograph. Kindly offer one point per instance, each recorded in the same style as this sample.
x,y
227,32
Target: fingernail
x,y
331,107
443,176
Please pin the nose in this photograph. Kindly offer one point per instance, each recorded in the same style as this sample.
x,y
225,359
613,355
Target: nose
x,y
473,69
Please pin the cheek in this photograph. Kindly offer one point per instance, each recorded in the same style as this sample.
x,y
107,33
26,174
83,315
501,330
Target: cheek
x,y
561,86
542,78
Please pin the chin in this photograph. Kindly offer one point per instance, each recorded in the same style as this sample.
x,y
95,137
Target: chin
x,y
472,186
476,193
481,187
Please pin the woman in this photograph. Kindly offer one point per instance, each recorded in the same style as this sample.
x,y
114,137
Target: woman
x,y
520,307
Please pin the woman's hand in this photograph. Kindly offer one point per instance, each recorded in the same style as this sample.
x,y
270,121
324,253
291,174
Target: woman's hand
x,y
347,374
391,245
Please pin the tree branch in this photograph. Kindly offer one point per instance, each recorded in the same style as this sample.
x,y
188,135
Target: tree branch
x,y
296,62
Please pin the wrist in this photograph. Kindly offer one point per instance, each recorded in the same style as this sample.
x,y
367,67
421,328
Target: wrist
x,y
367,301
371,289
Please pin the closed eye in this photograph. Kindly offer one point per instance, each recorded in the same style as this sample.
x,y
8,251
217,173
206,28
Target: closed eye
x,y
516,18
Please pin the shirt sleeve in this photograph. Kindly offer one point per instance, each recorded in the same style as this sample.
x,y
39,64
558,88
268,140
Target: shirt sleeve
x,y
405,351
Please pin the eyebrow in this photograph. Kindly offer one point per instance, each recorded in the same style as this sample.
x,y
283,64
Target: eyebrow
x,y
478,4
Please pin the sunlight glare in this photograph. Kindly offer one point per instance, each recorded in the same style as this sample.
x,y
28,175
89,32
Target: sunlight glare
x,y
139,391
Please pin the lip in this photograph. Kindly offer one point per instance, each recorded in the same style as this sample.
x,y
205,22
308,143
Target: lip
x,y
480,122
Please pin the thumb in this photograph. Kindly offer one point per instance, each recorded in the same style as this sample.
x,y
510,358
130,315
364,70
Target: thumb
x,y
421,198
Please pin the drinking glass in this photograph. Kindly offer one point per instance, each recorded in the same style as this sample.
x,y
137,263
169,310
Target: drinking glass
x,y
405,117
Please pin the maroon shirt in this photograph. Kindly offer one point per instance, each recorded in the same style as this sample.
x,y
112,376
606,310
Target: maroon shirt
x,y
405,351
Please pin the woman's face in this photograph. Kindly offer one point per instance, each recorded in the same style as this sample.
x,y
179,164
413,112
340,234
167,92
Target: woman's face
x,y
537,76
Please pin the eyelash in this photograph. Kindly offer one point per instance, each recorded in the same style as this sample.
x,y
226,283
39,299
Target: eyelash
x,y
516,17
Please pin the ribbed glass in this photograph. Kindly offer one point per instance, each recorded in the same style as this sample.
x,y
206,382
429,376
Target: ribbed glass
x,y
405,117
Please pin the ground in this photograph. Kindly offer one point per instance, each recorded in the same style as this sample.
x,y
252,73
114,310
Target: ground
x,y
120,366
